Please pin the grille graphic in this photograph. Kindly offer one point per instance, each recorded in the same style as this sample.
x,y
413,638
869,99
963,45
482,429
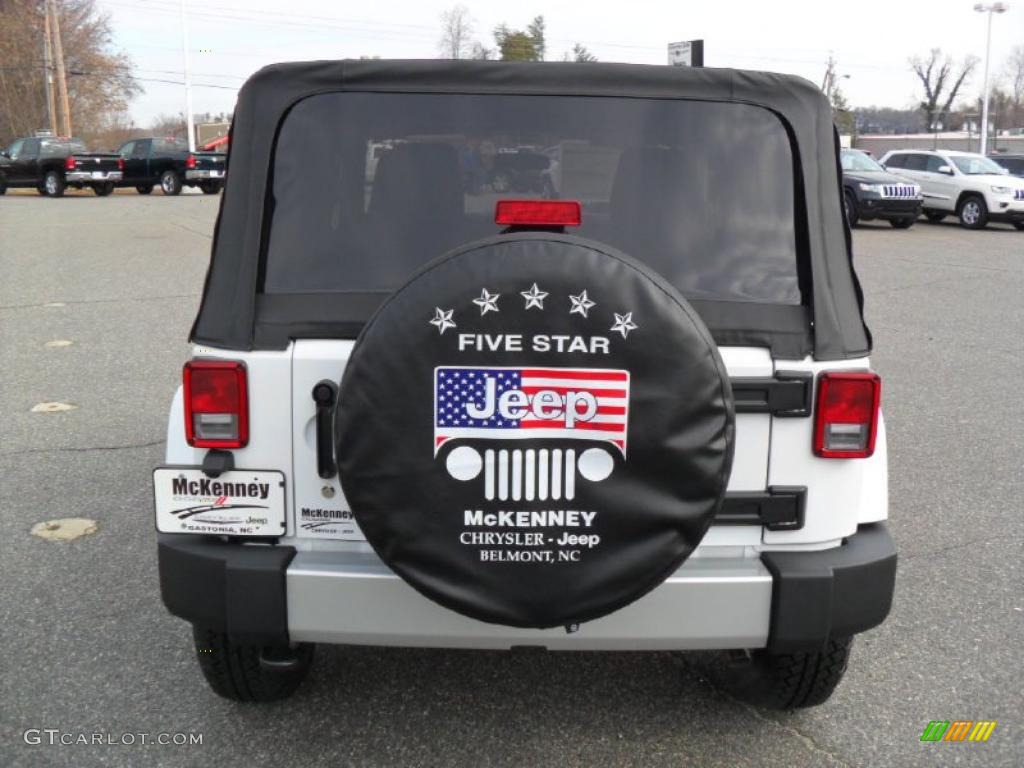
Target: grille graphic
x,y
899,191
529,474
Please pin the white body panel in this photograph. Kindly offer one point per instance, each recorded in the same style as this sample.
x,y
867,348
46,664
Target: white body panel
x,y
338,589
841,494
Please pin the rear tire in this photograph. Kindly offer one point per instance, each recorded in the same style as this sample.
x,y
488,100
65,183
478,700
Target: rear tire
x,y
250,672
786,680
53,184
170,183
144,189
972,212
210,187
1018,224
934,216
852,214
906,223
102,190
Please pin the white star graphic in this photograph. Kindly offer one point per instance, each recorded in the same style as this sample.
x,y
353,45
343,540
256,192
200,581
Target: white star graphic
x,y
624,324
534,297
581,304
488,302
442,320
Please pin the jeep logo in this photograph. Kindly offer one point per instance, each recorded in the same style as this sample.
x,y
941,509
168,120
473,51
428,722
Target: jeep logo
x,y
545,405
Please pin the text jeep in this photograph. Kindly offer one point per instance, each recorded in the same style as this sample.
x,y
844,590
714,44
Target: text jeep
x,y
632,410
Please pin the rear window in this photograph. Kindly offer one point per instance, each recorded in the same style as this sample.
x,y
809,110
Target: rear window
x,y
367,187
51,148
169,145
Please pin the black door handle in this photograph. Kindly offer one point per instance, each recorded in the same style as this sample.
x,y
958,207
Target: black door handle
x,y
325,395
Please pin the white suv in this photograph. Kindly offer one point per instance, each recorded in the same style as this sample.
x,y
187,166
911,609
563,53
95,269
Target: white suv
x,y
974,187
419,412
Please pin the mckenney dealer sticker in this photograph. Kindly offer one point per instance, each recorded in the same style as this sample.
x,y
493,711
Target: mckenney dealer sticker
x,y
237,503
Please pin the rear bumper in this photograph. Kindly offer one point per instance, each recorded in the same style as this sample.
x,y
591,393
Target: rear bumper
x,y
782,600
87,176
201,175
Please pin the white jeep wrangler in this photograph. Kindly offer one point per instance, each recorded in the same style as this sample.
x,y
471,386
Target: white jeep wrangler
x,y
420,412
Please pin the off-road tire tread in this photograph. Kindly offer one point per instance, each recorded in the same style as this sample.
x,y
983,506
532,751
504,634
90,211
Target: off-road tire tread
x,y
234,670
805,679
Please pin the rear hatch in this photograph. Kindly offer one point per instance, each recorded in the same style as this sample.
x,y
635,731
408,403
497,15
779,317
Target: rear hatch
x,y
662,181
95,162
210,161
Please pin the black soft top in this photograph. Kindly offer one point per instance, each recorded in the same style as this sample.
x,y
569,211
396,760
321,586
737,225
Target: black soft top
x,y
233,315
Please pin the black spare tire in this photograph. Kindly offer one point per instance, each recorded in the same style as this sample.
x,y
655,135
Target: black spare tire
x,y
535,430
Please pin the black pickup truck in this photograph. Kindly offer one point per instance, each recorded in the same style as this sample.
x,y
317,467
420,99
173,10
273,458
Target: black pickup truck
x,y
167,162
51,165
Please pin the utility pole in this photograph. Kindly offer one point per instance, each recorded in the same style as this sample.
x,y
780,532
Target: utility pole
x,y
188,81
48,71
62,80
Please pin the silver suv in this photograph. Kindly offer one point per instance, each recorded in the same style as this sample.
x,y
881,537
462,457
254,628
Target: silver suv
x,y
973,187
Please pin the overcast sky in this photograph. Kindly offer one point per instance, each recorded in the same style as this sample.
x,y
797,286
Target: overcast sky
x,y
871,39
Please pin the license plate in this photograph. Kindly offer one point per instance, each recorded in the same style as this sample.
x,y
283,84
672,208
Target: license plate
x,y
216,174
238,503
98,175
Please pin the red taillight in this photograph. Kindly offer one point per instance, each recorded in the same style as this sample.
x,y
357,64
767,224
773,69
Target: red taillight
x,y
190,162
216,404
69,164
846,421
538,213
120,163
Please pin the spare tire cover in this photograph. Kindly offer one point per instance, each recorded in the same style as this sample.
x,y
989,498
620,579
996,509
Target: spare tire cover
x,y
535,430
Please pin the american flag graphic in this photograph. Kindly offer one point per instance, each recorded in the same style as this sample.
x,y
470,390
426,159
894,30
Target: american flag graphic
x,y
465,405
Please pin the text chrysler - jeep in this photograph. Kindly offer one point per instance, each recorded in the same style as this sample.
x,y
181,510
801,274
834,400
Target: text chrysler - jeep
x,y
630,410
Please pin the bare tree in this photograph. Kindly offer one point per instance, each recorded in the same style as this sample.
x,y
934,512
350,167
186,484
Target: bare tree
x,y
481,52
940,77
1015,74
456,31
580,53
100,84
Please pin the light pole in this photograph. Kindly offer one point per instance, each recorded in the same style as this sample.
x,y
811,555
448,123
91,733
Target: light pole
x,y
989,9
188,81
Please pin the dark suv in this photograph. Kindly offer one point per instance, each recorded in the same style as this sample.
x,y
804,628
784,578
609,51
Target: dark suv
x,y
1013,163
871,192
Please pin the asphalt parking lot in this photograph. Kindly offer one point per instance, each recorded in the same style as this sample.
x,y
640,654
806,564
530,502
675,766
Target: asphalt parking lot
x,y
87,646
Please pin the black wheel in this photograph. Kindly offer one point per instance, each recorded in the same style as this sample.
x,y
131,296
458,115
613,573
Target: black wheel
x,y
1018,224
144,189
250,672
170,183
102,190
785,680
905,223
3,187
934,216
210,187
972,212
53,184
852,214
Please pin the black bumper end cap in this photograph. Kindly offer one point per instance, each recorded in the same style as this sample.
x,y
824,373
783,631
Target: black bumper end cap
x,y
225,586
833,593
